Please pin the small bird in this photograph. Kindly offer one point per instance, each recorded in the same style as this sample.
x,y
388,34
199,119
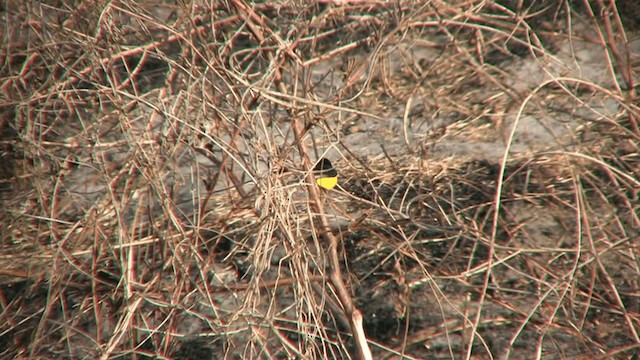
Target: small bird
x,y
326,175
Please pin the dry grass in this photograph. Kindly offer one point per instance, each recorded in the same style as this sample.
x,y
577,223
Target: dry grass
x,y
155,182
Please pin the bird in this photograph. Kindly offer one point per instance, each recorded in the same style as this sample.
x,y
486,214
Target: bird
x,y
326,176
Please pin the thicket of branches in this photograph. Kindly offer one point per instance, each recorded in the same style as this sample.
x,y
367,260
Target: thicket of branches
x,y
157,198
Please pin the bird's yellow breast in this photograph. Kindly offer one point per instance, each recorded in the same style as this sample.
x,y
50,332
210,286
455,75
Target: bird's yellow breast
x,y
327,182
